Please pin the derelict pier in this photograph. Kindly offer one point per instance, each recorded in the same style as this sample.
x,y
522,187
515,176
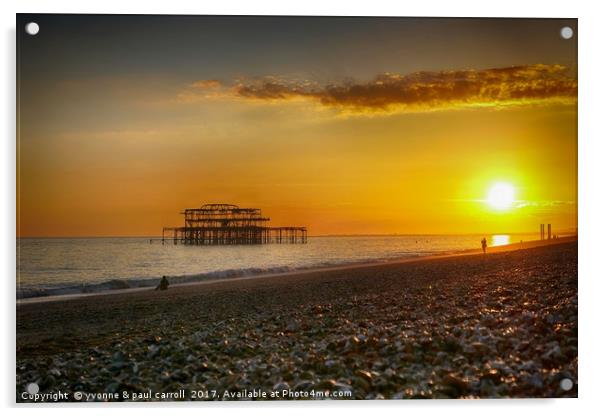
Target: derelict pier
x,y
227,224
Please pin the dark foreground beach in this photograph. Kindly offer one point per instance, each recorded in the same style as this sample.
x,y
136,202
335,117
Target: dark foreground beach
x,y
497,325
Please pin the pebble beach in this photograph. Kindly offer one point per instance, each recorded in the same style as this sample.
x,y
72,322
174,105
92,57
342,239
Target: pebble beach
x,y
498,325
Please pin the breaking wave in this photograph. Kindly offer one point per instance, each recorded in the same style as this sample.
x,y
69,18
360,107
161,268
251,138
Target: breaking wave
x,y
133,283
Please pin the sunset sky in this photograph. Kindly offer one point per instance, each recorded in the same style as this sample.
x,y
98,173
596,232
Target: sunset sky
x,y
344,125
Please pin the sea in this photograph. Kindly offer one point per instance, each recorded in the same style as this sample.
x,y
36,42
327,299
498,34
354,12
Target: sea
x,y
72,266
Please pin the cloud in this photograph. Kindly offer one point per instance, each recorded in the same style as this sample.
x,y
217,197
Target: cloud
x,y
201,90
425,90
544,204
418,91
207,84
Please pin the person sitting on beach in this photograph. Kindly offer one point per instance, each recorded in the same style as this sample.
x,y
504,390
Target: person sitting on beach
x,y
163,284
484,245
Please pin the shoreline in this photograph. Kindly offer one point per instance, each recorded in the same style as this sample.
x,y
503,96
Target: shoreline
x,y
351,266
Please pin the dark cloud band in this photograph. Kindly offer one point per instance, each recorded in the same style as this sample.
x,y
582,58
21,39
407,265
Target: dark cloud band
x,y
424,90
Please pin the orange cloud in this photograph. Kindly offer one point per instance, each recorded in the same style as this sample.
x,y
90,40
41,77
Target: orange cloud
x,y
201,90
425,90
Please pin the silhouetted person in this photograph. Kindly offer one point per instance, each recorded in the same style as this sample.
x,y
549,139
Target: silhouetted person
x,y
484,245
163,284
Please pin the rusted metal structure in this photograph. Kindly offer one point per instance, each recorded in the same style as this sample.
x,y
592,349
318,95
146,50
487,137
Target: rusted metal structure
x,y
227,224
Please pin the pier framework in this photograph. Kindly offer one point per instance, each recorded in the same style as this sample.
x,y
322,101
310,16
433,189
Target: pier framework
x,y
227,224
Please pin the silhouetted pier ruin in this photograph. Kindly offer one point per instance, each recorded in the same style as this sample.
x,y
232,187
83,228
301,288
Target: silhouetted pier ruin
x,y
226,224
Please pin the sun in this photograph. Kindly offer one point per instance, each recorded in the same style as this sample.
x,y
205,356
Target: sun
x,y
501,196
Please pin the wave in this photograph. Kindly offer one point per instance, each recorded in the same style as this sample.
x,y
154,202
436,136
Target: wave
x,y
133,283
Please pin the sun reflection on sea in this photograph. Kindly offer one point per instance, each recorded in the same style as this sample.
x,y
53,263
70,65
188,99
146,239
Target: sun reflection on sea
x,y
500,240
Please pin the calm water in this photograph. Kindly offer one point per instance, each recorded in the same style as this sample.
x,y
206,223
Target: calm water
x,y
54,266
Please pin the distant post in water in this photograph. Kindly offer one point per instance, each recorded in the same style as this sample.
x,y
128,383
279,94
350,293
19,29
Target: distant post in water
x,y
549,231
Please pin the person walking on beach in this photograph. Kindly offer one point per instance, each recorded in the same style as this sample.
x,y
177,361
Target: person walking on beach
x,y
163,284
484,245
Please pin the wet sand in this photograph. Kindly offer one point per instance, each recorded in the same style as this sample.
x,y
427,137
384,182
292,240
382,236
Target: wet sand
x,y
469,325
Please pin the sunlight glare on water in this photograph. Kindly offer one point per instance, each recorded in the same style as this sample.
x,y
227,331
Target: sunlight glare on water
x,y
500,240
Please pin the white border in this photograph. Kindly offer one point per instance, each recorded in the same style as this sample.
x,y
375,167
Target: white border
x,y
590,207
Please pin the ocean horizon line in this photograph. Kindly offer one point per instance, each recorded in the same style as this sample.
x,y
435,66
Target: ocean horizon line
x,y
562,231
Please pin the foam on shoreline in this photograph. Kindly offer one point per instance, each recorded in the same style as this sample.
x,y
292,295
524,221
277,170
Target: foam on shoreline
x,y
125,285
115,286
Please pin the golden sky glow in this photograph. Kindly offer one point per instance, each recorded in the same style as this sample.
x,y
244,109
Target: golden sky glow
x,y
397,151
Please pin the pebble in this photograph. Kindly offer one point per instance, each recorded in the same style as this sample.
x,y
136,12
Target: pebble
x,y
281,386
